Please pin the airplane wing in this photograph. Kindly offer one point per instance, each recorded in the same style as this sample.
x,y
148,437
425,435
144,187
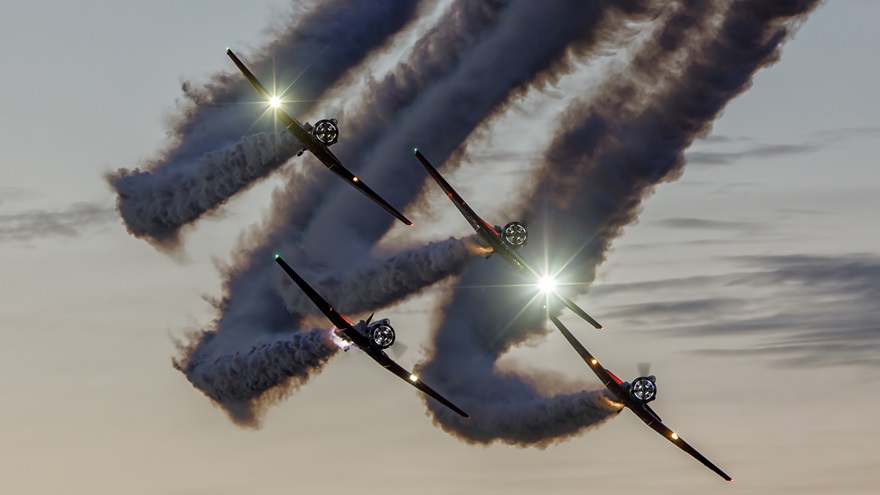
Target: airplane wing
x,y
331,162
337,319
292,125
613,383
680,443
578,311
413,380
606,377
568,302
249,75
470,215
324,154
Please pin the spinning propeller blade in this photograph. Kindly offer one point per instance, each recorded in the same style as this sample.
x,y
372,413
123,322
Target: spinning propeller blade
x,y
398,349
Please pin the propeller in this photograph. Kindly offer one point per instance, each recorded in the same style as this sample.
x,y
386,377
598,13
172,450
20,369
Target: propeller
x,y
644,369
398,349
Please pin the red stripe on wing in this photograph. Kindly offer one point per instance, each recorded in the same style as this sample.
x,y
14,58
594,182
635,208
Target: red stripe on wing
x,y
618,380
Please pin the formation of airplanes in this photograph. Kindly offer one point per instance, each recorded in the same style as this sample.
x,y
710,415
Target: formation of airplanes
x,y
374,337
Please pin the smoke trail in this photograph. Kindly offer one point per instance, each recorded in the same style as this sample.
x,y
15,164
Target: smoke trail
x,y
468,345
625,154
322,46
251,301
256,308
481,322
158,203
435,55
615,164
479,83
443,117
379,283
243,383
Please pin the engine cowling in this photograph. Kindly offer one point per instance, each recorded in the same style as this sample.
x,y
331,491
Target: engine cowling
x,y
382,335
644,388
326,131
515,235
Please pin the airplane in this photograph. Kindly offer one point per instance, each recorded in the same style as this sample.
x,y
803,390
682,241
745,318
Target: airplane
x,y
316,139
504,241
372,338
636,396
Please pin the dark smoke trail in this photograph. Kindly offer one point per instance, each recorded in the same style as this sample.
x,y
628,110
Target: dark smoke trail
x,y
610,162
613,159
435,55
252,305
454,104
379,283
158,203
479,325
243,383
447,112
322,46
251,273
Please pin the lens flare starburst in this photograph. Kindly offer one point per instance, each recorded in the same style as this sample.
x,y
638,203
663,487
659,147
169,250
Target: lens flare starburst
x,y
547,284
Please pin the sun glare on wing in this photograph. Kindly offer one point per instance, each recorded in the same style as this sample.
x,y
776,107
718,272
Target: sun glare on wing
x,y
275,102
547,284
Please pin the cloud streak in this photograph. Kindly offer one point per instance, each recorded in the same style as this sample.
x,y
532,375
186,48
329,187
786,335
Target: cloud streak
x,y
37,224
797,310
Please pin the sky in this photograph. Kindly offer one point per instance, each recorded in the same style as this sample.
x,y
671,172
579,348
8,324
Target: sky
x,y
750,284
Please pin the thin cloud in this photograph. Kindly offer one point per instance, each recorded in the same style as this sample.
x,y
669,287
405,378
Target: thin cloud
x,y
757,151
14,194
673,309
705,224
799,310
70,222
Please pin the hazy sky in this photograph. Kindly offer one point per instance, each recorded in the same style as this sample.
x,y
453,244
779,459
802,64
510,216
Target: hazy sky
x,y
759,318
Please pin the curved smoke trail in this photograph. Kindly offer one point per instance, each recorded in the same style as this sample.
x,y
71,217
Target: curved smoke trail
x,y
610,163
245,383
250,303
